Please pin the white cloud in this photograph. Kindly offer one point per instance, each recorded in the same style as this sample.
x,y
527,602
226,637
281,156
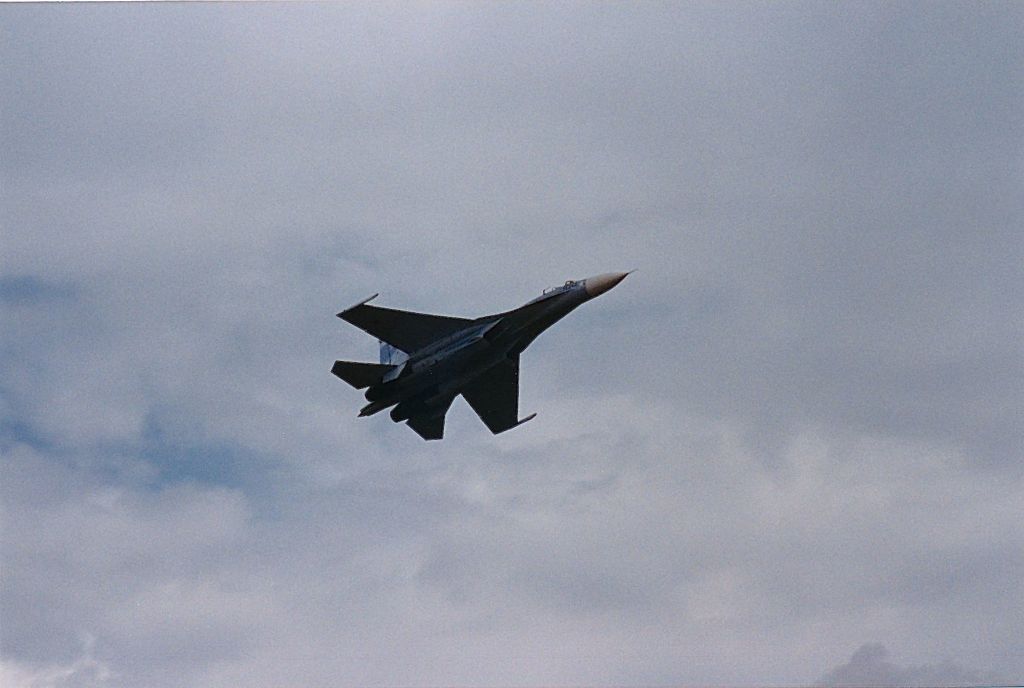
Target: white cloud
x,y
83,672
549,562
793,429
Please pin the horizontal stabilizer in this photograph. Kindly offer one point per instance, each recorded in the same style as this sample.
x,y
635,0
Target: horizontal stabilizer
x,y
360,375
430,426
495,396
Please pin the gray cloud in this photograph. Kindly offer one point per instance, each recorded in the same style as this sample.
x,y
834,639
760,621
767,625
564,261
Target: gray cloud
x,y
796,427
869,666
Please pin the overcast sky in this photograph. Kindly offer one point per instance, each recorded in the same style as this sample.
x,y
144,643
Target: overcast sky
x,y
788,449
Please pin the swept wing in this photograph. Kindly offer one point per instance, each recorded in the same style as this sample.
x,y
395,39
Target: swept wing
x,y
404,330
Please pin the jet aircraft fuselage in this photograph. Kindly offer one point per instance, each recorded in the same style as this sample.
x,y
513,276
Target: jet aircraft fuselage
x,y
443,357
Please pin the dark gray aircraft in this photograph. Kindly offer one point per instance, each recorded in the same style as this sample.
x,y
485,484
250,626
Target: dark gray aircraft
x,y
428,360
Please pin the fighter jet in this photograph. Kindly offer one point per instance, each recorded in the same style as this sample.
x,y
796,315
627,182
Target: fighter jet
x,y
428,360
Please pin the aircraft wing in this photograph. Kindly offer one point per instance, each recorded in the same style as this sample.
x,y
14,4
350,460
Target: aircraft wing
x,y
404,330
495,396
430,426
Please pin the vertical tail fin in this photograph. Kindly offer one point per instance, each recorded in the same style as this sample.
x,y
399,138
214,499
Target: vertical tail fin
x,y
390,355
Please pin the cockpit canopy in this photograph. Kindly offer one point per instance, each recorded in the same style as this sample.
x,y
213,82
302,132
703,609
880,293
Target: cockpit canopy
x,y
568,285
552,291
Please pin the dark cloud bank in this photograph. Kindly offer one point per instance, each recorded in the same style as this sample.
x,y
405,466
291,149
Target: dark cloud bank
x,y
795,430
870,666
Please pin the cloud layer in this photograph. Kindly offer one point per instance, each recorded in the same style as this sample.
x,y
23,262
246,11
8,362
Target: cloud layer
x,y
796,429
869,666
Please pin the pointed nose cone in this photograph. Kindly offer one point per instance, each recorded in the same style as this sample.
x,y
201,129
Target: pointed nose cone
x,y
599,284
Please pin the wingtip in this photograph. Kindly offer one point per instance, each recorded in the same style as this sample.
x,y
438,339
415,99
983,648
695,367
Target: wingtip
x,y
524,420
357,305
